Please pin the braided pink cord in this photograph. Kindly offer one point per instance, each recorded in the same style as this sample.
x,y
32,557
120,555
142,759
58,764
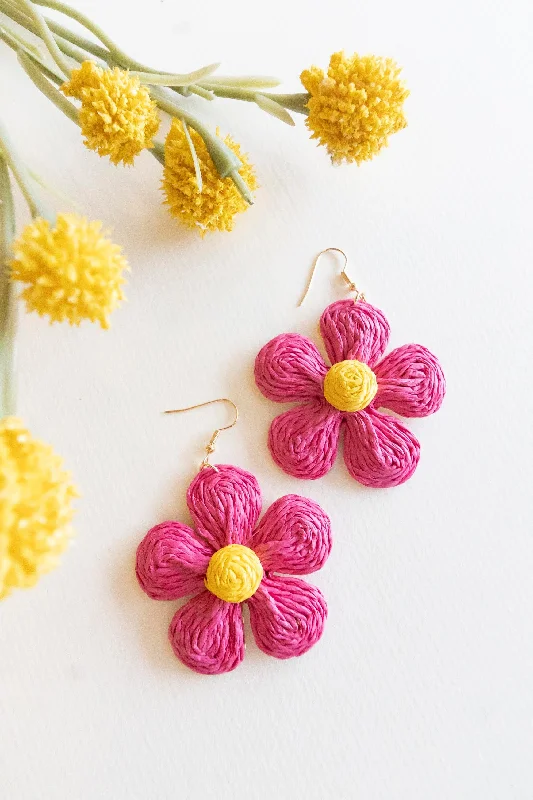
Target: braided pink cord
x,y
293,538
379,451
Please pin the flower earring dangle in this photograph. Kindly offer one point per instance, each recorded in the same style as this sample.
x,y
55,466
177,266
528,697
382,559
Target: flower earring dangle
x,y
379,451
230,557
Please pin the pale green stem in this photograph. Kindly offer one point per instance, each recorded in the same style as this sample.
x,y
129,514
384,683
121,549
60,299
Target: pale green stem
x,y
79,55
160,79
293,102
13,11
200,91
296,102
46,35
21,175
50,91
16,42
8,311
115,58
245,81
89,25
145,76
20,41
17,45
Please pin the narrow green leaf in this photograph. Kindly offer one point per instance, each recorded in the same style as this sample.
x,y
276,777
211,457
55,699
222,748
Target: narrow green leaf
x,y
198,171
160,79
245,81
274,109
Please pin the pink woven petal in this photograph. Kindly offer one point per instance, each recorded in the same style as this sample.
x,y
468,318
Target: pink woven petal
x,y
410,382
225,503
290,368
379,451
304,440
293,537
207,634
354,331
171,561
287,616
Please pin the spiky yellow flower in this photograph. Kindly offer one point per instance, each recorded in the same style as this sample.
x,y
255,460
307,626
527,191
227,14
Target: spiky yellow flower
x,y
72,271
356,106
118,118
215,206
36,496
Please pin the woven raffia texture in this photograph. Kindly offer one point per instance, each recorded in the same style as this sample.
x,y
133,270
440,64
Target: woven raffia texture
x,y
230,555
379,450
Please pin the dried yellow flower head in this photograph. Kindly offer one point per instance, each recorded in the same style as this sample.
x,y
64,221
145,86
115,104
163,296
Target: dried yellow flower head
x,y
72,271
118,118
356,106
36,496
216,205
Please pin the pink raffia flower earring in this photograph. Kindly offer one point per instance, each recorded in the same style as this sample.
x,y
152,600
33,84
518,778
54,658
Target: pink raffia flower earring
x,y
379,450
229,559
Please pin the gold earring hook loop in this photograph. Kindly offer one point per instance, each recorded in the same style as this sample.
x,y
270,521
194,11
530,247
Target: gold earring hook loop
x,y
344,275
210,447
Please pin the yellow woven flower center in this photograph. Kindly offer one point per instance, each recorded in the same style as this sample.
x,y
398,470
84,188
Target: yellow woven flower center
x,y
234,573
350,386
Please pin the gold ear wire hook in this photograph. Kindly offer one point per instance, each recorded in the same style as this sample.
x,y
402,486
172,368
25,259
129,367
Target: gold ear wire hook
x,y
344,275
210,448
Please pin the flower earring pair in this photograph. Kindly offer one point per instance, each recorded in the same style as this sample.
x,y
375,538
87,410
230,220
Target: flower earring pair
x,y
231,558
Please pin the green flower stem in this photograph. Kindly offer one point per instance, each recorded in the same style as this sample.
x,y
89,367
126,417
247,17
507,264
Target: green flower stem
x,y
145,76
17,44
114,58
79,48
10,9
15,41
75,52
160,79
200,91
87,23
21,175
245,81
292,102
45,34
50,91
8,315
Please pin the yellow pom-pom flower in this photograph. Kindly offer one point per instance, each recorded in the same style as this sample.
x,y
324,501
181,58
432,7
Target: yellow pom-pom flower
x,y
36,496
118,118
72,271
356,106
216,205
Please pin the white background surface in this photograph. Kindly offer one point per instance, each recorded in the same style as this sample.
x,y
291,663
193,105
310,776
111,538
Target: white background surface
x,y
421,685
